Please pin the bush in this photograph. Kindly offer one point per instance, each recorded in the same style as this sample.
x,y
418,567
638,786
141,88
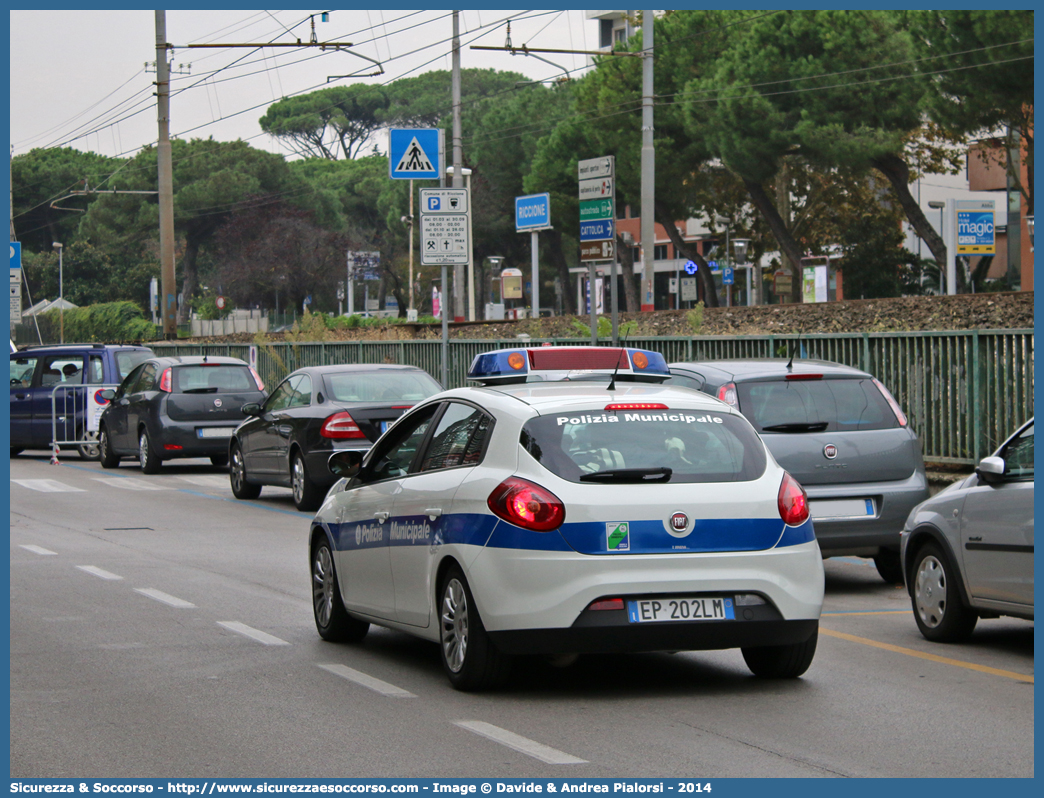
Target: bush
x,y
110,322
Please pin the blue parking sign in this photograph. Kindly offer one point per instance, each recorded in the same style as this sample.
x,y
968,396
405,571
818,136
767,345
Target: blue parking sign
x,y
16,255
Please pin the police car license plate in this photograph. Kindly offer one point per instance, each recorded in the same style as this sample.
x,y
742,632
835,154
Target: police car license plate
x,y
215,432
384,426
680,609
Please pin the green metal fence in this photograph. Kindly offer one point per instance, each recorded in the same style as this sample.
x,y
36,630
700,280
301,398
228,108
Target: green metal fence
x,y
964,391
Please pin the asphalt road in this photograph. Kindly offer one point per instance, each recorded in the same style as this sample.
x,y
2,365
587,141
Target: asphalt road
x,y
160,627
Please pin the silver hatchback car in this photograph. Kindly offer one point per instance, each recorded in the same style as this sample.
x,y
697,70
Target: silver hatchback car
x,y
968,550
840,433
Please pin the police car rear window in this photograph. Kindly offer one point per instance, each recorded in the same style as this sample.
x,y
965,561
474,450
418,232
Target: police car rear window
x,y
823,405
697,446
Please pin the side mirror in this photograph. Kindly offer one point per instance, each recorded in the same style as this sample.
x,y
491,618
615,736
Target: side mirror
x,y
346,463
991,469
107,394
251,409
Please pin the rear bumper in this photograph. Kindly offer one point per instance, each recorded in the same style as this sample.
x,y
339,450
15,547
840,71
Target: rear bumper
x,y
186,436
529,594
893,502
632,637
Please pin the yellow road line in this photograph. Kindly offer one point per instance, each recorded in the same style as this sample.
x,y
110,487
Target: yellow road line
x,y
1022,677
871,612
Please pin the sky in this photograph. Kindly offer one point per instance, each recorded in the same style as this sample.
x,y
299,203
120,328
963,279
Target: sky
x,y
78,78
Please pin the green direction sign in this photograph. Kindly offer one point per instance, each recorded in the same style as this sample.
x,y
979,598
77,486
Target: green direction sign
x,y
596,209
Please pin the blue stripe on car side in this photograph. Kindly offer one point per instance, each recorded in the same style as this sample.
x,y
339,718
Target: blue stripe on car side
x,y
645,537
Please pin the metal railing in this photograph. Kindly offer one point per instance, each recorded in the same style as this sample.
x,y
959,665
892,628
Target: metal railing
x,y
964,391
74,418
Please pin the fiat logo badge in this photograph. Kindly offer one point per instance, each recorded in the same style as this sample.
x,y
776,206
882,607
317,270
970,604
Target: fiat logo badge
x,y
217,403
679,521
830,451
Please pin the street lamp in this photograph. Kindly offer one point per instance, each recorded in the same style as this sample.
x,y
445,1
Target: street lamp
x,y
61,294
941,207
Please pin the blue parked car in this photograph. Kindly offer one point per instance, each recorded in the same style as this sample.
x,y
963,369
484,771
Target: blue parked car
x,y
36,373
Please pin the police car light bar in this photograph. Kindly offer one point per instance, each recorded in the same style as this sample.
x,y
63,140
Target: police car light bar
x,y
538,364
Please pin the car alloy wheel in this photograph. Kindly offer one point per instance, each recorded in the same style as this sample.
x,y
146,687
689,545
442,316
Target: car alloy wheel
x,y
332,621
237,476
150,463
323,586
471,660
307,495
454,625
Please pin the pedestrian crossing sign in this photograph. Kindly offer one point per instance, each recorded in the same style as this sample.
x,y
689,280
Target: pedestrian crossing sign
x,y
415,153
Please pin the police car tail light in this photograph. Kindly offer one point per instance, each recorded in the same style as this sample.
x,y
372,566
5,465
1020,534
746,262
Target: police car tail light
x,y
165,380
607,604
899,414
340,426
804,376
527,505
257,379
727,394
792,501
635,406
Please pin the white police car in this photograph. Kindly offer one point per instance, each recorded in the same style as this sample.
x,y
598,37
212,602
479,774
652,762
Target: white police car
x,y
605,513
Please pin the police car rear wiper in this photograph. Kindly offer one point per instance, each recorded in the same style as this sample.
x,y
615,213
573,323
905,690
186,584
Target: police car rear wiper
x,y
662,474
804,426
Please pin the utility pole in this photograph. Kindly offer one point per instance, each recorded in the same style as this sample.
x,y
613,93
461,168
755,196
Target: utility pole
x,y
648,189
458,157
168,296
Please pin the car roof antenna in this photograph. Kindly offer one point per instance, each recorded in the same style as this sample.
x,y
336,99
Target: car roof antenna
x,y
612,380
790,363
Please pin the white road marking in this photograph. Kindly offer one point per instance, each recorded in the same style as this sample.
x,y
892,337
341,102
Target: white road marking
x,y
521,744
96,571
47,486
204,481
360,678
36,549
255,634
166,598
129,483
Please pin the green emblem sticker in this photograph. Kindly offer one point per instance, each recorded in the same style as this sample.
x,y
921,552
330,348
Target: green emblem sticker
x,y
618,536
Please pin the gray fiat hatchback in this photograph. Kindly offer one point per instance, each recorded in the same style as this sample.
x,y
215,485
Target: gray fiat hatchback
x,y
841,434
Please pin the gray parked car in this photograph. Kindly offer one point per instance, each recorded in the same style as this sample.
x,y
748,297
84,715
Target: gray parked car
x,y
839,432
968,550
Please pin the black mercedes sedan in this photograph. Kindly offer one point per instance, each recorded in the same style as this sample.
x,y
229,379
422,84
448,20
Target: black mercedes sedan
x,y
316,410
172,407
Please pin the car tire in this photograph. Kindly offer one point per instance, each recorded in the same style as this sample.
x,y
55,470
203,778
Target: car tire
x,y
470,659
88,450
219,460
781,662
889,566
147,456
332,621
237,476
307,495
106,456
938,610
